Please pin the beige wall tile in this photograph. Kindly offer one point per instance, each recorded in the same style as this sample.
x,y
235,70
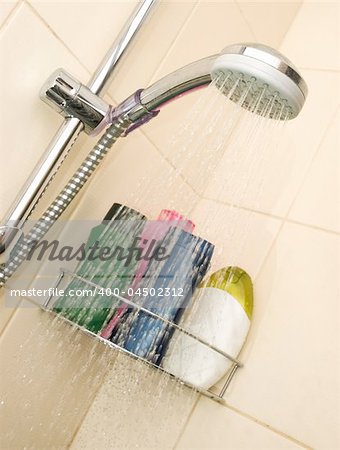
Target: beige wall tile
x,y
318,202
269,20
29,53
314,37
214,426
7,309
297,339
5,9
211,27
88,28
151,46
137,175
49,376
265,172
174,133
290,379
205,25
136,407
242,238
104,20
194,133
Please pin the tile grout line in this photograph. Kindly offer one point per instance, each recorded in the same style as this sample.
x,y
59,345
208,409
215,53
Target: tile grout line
x,y
173,43
55,34
169,48
244,208
285,220
10,15
265,425
196,3
318,69
162,155
272,216
180,434
92,402
314,227
313,158
11,317
236,3
181,176
171,164
270,249
291,23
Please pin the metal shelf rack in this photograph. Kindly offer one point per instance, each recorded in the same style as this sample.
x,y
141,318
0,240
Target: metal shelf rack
x,y
217,396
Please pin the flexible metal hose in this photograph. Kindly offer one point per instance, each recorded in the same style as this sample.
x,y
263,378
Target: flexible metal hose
x,y
65,197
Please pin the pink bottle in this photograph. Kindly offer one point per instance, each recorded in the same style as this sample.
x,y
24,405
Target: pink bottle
x,y
156,229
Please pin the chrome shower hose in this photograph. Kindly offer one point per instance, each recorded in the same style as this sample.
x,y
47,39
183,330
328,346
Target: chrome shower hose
x,y
65,197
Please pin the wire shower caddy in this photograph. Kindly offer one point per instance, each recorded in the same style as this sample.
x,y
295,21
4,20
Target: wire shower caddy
x,y
217,396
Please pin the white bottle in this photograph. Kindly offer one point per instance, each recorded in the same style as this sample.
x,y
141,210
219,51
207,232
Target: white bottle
x,y
220,315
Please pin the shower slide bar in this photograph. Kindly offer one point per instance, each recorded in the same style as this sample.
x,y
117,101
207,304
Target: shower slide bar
x,y
219,397
68,132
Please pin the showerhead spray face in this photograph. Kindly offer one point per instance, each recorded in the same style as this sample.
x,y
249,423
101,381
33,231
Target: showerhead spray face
x,y
261,80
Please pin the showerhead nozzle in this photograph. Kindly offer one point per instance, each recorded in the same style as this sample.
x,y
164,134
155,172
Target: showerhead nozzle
x,y
260,79
255,76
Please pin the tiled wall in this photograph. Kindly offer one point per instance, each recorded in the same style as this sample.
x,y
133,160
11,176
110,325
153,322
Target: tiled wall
x,y
287,395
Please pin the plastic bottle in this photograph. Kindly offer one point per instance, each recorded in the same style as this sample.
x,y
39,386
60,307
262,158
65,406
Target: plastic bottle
x,y
155,229
120,227
220,314
170,286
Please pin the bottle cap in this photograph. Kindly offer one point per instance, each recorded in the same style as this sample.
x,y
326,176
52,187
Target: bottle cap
x,y
122,212
169,214
172,215
237,283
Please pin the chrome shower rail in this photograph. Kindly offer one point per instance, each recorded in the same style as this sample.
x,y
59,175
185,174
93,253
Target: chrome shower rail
x,y
64,198
69,131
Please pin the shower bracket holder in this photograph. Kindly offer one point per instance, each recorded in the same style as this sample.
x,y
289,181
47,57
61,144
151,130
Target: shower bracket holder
x,y
70,98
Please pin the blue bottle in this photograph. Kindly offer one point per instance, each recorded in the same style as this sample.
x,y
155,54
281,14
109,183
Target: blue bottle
x,y
169,286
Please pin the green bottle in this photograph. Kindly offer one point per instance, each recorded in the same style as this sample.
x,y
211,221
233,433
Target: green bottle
x,y
91,306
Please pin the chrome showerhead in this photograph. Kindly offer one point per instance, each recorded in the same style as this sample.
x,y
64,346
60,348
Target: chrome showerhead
x,y
261,79
255,76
